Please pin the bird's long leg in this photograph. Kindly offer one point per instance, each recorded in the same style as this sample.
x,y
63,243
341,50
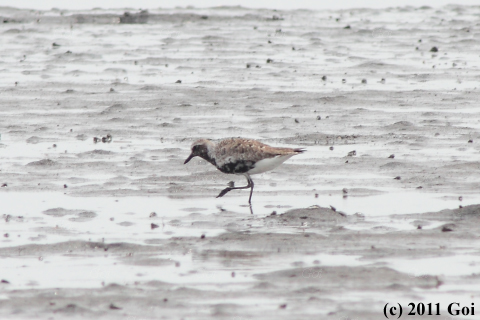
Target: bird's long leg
x,y
249,185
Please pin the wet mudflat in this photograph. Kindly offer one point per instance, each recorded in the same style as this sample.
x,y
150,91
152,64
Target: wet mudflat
x,y
382,208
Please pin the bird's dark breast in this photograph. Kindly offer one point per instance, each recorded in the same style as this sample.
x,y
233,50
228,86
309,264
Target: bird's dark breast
x,y
240,166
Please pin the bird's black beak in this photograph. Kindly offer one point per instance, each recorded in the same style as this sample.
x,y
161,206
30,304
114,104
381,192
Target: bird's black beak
x,y
189,158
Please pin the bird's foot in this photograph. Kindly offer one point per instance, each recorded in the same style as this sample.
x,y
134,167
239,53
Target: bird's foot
x,y
224,192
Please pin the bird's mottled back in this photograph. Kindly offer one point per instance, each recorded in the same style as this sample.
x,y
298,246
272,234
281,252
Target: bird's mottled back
x,y
234,149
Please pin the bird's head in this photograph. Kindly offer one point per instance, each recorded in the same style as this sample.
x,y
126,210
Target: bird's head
x,y
199,149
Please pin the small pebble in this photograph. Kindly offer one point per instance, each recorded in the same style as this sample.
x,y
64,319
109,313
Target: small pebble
x,y
446,229
114,307
107,138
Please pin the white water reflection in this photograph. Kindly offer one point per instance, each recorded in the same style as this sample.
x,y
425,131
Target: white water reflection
x,y
128,218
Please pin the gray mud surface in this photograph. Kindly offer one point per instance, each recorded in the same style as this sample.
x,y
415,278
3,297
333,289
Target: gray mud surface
x,y
123,230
